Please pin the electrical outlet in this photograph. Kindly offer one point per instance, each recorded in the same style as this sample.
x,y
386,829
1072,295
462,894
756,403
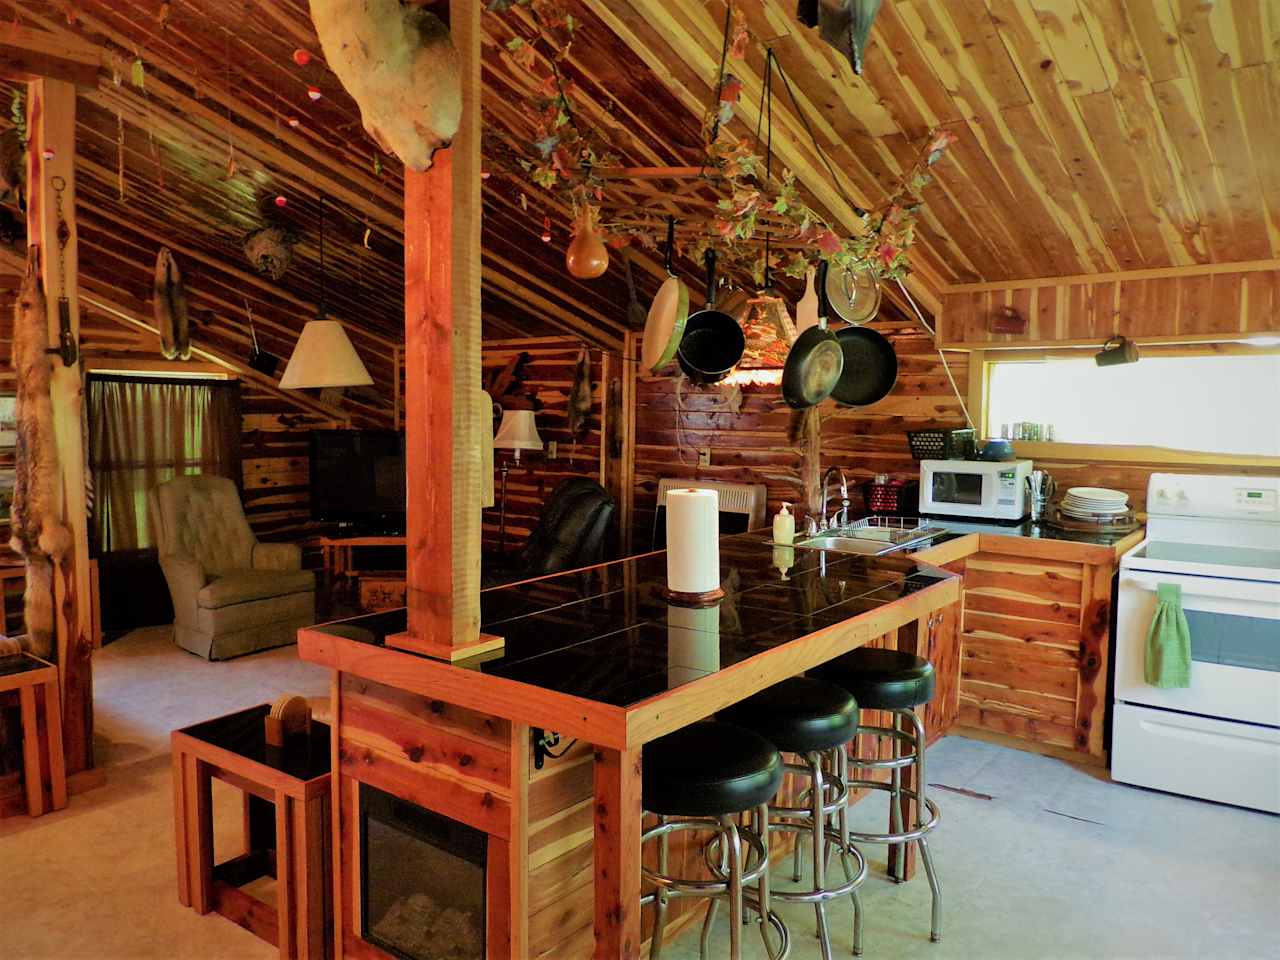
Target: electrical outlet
x,y
551,449
704,456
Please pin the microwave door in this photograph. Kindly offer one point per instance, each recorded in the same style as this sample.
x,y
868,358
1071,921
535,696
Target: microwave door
x,y
958,488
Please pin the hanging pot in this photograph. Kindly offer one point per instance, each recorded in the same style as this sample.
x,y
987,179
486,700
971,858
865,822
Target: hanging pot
x,y
713,341
668,314
870,367
851,293
813,368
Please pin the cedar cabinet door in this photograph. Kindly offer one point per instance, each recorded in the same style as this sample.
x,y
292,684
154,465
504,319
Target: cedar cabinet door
x,y
941,713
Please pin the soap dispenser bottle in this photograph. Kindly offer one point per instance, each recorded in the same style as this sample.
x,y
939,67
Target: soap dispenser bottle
x,y
784,526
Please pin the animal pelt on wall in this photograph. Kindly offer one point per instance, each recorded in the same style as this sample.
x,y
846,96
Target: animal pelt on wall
x,y
38,532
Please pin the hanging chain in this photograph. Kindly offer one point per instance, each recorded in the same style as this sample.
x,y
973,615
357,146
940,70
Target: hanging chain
x,y
66,341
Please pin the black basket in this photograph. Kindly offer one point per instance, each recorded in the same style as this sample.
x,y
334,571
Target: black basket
x,y
942,444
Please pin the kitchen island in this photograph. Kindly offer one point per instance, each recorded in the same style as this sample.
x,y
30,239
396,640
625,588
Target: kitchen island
x,y
600,659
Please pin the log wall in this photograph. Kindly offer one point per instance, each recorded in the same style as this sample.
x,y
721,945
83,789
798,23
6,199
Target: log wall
x,y
1185,306
758,442
548,376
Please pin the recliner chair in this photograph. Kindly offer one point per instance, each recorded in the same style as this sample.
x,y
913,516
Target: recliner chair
x,y
231,594
573,531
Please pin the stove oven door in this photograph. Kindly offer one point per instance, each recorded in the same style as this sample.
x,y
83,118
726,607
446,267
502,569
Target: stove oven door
x,y
1235,646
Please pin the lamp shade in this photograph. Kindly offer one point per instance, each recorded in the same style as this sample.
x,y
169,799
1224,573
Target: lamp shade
x,y
324,357
518,431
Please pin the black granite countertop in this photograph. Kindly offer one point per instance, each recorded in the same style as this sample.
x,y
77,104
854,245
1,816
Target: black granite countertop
x,y
1027,529
607,633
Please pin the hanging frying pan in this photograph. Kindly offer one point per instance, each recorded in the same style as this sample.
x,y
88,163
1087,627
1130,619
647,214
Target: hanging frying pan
x,y
713,341
813,368
851,294
668,314
870,367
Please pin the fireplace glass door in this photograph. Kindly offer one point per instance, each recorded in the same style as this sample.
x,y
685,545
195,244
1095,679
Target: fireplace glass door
x,y
422,881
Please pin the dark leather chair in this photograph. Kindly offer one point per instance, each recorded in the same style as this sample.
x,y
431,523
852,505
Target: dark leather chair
x,y
573,531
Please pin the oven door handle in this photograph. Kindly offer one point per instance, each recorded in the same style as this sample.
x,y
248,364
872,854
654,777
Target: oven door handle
x,y
1244,591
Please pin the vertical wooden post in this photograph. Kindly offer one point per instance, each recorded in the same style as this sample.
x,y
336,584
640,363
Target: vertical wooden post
x,y
442,378
617,853
51,128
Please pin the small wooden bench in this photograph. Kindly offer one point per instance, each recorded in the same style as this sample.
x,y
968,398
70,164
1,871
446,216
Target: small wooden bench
x,y
291,842
37,684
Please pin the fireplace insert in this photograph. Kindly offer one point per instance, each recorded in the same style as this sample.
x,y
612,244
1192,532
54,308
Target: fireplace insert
x,y
422,881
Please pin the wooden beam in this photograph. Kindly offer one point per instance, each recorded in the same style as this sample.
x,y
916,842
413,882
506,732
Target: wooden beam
x,y
51,180
28,55
442,379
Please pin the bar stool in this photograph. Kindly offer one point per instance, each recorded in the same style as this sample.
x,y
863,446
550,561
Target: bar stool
x,y
813,720
896,682
704,777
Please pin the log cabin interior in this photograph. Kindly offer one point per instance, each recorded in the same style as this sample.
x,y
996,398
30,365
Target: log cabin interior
x,y
539,478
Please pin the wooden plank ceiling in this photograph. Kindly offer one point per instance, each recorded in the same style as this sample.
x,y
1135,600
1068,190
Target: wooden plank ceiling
x,y
1094,136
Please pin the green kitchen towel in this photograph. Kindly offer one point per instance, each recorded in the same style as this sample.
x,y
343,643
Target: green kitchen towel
x,y
1169,641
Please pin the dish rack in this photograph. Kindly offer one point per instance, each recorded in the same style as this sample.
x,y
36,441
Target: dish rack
x,y
959,444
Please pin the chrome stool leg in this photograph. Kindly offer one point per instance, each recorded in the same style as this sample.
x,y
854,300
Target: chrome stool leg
x,y
737,856
935,889
822,818
660,904
926,816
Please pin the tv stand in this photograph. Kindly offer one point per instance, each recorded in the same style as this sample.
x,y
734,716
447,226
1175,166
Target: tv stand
x,y
343,572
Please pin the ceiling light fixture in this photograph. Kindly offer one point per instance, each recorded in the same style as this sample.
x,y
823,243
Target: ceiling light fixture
x,y
1116,351
324,355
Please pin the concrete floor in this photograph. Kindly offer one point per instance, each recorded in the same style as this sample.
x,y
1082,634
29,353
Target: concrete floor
x,y
1038,858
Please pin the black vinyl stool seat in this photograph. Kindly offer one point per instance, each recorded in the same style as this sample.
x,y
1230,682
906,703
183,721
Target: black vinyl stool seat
x,y
895,682
813,719
799,715
703,778
881,679
709,769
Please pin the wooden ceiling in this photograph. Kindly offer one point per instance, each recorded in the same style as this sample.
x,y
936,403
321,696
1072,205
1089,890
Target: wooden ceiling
x,y
1094,136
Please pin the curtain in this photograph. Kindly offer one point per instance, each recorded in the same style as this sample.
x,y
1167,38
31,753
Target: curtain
x,y
144,431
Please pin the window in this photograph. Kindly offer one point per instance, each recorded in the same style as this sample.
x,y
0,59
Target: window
x,y
145,430
1211,403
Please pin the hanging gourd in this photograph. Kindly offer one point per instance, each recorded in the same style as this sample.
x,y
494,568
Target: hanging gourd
x,y
587,256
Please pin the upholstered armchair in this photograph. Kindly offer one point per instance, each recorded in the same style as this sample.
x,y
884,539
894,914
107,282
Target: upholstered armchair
x,y
231,594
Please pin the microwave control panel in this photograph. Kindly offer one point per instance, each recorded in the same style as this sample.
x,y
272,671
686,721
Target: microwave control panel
x,y
1007,488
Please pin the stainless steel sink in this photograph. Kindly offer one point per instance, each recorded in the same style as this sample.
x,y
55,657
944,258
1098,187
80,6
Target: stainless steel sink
x,y
874,535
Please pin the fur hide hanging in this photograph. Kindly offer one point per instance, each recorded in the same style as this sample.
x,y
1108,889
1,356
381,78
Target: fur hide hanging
x,y
270,250
399,65
170,305
38,532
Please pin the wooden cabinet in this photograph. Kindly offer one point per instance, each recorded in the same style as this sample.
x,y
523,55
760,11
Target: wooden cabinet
x,y
1034,648
943,651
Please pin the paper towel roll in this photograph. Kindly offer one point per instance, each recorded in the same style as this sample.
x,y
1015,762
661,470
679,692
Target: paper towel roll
x,y
693,643
693,541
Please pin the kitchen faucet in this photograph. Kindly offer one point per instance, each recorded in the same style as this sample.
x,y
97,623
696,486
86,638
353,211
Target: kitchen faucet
x,y
843,514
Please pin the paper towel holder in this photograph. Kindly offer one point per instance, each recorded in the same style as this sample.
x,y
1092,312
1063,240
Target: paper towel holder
x,y
705,598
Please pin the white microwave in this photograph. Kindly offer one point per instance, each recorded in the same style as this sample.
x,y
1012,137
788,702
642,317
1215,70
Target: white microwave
x,y
979,489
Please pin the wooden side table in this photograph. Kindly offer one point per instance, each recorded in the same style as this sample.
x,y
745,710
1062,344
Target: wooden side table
x,y
287,828
37,684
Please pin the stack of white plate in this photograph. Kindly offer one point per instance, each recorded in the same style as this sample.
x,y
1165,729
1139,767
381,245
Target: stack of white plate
x,y
1094,503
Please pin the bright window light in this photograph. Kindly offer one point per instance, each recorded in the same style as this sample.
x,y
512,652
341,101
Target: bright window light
x,y
1212,404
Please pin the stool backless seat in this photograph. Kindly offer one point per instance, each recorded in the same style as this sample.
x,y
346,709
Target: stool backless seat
x,y
704,777
813,720
896,682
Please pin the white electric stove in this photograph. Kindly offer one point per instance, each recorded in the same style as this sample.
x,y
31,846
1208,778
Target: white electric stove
x,y
1218,538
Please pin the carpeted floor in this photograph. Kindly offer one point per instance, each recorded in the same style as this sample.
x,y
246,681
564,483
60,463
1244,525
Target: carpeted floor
x,y
1038,858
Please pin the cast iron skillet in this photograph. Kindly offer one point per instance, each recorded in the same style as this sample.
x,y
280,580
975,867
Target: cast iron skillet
x,y
713,341
813,368
870,367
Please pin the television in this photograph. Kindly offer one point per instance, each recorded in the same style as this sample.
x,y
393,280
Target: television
x,y
357,478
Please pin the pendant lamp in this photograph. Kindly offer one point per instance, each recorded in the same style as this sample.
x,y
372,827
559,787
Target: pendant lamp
x,y
324,355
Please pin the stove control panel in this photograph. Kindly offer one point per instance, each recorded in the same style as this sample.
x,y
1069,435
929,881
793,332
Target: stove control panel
x,y
1255,499
1209,497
